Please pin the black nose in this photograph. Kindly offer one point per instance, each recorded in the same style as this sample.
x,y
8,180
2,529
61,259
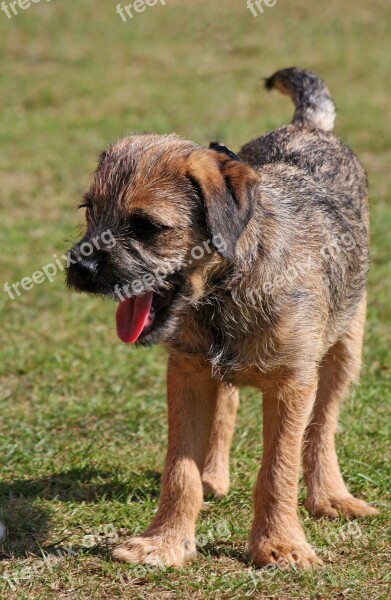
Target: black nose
x,y
82,270
86,266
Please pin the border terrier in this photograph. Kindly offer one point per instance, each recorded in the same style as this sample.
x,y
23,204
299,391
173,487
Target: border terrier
x,y
250,269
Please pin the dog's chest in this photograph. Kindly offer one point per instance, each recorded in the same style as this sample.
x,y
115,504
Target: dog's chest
x,y
236,354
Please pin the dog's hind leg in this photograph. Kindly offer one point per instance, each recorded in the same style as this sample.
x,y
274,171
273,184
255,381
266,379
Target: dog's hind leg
x,y
327,494
215,477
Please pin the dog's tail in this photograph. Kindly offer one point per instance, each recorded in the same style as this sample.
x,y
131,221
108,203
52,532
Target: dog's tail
x,y
314,105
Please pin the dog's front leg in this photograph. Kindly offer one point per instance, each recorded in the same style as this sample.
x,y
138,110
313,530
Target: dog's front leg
x,y
170,539
277,536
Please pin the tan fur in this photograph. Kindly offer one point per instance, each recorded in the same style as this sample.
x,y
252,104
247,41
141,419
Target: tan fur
x,y
294,202
276,531
215,475
191,395
327,493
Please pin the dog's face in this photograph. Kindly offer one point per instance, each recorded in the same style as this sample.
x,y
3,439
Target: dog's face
x,y
162,215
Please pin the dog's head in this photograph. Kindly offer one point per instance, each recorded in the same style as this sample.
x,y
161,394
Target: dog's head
x,y
162,214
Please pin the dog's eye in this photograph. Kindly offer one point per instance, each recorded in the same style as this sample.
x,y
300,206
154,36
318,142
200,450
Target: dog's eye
x,y
86,202
143,227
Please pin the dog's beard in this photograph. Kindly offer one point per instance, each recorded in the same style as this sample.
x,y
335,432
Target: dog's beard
x,y
147,288
146,316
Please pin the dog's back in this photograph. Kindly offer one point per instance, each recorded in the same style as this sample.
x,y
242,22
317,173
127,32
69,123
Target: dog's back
x,y
315,191
309,144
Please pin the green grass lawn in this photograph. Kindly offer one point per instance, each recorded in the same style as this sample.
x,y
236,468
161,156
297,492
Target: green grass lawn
x,y
83,417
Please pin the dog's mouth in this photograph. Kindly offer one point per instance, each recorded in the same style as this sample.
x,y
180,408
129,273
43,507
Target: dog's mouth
x,y
140,315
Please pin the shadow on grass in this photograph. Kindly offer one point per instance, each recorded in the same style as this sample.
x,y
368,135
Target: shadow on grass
x,y
28,523
221,549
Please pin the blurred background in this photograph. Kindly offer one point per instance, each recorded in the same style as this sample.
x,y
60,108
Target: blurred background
x,y
82,425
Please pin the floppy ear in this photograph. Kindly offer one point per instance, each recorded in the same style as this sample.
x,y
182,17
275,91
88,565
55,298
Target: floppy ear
x,y
228,188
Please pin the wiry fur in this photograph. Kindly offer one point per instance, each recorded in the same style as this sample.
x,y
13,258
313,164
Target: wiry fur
x,y
279,306
314,105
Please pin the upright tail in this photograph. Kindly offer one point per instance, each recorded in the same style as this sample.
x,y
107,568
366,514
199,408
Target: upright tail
x,y
314,105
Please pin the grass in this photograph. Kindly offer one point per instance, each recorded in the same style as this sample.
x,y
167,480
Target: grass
x,y
83,418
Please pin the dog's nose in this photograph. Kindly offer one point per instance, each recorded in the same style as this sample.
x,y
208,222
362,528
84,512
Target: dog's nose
x,y
89,266
83,267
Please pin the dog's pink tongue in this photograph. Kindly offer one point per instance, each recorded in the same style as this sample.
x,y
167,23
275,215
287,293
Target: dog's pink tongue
x,y
132,316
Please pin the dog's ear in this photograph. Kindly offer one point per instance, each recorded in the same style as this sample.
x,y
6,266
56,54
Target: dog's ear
x,y
228,189
218,147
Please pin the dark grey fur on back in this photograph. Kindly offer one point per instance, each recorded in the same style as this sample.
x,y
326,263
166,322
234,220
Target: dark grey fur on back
x,y
312,203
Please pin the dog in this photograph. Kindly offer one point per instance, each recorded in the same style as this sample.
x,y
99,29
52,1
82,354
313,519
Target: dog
x,y
250,269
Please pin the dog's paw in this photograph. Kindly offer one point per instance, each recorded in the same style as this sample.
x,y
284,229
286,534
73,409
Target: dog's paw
x,y
215,484
343,506
283,554
156,551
